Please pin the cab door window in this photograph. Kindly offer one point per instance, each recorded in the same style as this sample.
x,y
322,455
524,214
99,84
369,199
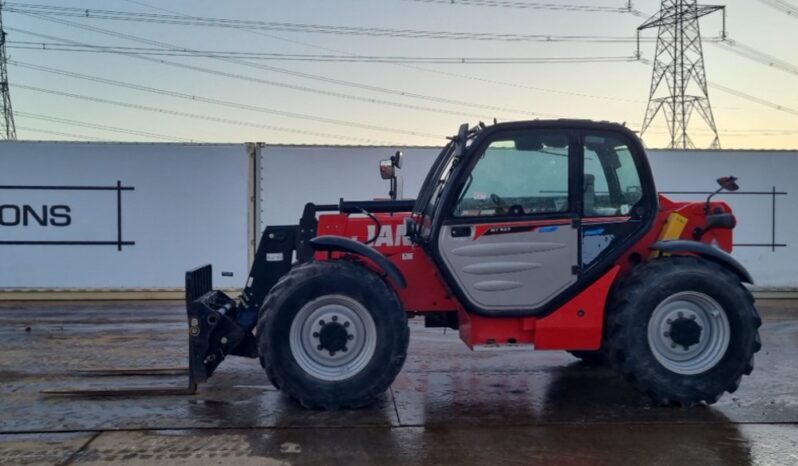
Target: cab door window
x,y
519,174
611,183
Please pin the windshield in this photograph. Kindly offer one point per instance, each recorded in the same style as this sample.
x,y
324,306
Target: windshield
x,y
433,186
436,180
434,172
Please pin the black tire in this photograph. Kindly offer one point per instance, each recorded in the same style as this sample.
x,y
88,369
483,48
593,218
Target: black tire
x,y
317,281
593,358
629,344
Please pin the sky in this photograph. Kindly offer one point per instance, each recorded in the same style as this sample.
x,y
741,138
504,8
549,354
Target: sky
x,y
302,102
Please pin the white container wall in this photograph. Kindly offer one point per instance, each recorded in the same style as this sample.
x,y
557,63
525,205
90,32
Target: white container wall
x,y
67,224
290,176
767,226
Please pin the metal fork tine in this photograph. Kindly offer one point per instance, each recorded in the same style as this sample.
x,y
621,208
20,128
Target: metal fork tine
x,y
132,371
190,389
143,391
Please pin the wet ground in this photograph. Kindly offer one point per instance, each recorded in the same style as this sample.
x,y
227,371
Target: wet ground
x,y
448,406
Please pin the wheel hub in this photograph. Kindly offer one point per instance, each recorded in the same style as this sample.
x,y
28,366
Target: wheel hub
x,y
688,333
685,332
333,337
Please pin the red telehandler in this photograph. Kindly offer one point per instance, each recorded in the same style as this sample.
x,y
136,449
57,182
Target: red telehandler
x,y
542,235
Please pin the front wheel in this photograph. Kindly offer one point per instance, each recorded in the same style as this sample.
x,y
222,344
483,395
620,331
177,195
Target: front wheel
x,y
332,334
683,330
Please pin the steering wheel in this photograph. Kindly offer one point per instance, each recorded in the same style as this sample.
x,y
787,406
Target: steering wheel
x,y
502,207
499,203
497,200
516,209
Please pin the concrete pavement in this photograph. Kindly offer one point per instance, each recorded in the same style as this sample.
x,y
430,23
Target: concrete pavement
x,y
448,406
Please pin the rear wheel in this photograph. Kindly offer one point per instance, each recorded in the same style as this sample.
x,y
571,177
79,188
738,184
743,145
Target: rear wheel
x,y
683,330
332,334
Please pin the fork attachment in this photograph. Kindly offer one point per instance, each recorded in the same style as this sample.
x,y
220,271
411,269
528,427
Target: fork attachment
x,y
212,328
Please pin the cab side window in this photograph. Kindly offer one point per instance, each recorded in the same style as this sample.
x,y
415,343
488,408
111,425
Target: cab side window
x,y
611,183
525,173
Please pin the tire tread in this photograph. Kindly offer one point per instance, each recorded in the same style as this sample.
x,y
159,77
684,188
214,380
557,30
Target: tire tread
x,y
623,303
368,279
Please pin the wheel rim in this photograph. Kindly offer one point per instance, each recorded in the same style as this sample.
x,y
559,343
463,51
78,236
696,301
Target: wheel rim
x,y
333,337
688,333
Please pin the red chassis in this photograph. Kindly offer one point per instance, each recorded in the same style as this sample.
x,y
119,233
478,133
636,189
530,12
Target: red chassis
x,y
576,325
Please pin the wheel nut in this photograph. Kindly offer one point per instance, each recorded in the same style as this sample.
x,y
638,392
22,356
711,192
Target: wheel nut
x,y
344,349
319,347
315,334
332,353
321,322
346,324
667,334
335,318
350,337
673,345
680,314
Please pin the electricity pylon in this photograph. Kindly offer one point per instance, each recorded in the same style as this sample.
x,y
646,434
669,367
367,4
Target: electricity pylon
x,y
679,81
9,131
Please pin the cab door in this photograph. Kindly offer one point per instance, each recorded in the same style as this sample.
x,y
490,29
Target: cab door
x,y
510,238
615,208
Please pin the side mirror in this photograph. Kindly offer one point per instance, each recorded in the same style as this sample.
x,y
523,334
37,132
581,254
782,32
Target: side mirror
x,y
729,183
396,160
387,171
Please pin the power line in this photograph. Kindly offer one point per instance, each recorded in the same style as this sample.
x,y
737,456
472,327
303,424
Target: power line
x,y
783,6
183,20
412,67
194,116
751,53
742,95
59,47
257,80
59,133
493,81
532,5
437,110
746,51
84,124
440,72
220,102
165,10
754,99
740,133
320,78
418,68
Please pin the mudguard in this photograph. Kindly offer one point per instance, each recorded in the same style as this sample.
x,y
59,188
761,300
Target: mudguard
x,y
340,243
706,251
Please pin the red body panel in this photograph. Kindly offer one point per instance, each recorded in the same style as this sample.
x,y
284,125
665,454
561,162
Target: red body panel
x,y
426,290
577,324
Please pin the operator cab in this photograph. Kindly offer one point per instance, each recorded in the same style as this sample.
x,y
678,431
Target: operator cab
x,y
522,216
